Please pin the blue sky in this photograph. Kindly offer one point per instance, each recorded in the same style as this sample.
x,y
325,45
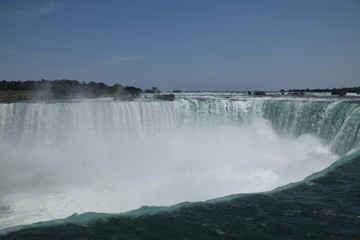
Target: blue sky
x,y
183,44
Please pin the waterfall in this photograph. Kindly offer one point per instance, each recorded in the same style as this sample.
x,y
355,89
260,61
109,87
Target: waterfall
x,y
337,123
110,156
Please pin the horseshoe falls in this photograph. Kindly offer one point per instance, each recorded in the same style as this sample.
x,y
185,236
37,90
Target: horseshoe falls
x,y
205,166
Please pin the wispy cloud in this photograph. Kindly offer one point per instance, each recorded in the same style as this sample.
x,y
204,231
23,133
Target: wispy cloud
x,y
26,56
34,12
189,45
115,60
209,72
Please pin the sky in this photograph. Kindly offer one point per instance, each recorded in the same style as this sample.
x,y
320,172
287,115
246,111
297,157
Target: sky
x,y
217,45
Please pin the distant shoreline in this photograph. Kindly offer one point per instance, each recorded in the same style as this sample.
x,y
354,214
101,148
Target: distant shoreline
x,y
64,89
14,91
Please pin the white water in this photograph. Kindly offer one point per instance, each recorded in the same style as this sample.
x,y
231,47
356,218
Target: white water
x,y
92,157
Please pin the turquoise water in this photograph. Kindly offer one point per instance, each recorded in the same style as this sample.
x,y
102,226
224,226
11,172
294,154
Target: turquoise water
x,y
322,206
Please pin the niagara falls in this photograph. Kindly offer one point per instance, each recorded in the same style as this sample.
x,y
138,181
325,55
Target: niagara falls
x,y
109,156
179,120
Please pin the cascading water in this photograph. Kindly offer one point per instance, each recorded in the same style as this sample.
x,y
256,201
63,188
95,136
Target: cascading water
x,y
110,156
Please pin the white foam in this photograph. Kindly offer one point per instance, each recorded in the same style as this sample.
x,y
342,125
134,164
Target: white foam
x,y
186,164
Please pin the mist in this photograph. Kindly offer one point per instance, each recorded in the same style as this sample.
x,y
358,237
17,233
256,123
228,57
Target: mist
x,y
84,172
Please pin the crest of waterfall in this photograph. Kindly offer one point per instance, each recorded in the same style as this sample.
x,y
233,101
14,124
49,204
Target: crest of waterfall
x,y
337,123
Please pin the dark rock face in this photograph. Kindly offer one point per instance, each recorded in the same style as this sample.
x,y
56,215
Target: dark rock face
x,y
259,93
338,92
153,90
166,97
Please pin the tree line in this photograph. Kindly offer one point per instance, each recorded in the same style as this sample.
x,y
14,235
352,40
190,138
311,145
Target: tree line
x,y
331,90
62,89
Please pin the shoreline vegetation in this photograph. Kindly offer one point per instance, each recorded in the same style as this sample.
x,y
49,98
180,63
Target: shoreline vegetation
x,y
64,89
73,89
333,91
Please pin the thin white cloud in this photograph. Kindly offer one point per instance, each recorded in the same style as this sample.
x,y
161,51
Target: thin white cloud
x,y
209,72
23,55
12,52
115,60
47,8
188,45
